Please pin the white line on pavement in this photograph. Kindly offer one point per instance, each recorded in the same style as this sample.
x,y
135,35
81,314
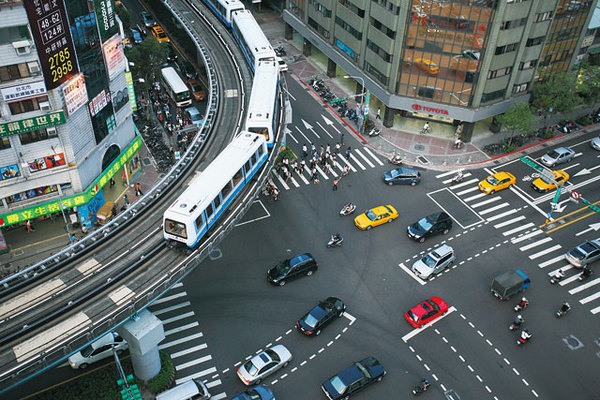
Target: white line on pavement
x,y
196,375
193,362
535,244
590,298
409,272
510,221
181,328
373,155
584,287
551,261
495,217
568,280
167,298
177,317
545,251
353,157
280,179
466,183
492,209
188,351
350,317
518,229
478,196
179,341
347,163
525,237
447,173
364,158
465,175
467,191
484,202
172,308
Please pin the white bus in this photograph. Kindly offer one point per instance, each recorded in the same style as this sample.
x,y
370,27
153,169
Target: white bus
x,y
253,42
177,89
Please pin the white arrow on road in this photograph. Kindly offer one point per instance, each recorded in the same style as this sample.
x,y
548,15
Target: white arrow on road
x,y
584,171
310,128
330,123
288,133
593,227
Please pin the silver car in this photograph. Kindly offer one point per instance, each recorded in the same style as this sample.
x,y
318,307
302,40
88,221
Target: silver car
x,y
584,254
595,143
434,262
260,366
557,156
100,349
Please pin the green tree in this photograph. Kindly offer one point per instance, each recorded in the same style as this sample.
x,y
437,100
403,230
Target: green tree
x,y
588,83
517,119
556,93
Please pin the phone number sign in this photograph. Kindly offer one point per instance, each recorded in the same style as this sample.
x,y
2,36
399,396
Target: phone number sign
x,y
52,36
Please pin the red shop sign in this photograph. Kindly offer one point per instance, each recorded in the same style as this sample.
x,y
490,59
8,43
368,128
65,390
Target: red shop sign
x,y
418,107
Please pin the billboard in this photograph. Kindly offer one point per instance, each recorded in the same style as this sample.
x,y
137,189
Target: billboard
x,y
32,124
114,56
52,36
24,91
75,94
105,18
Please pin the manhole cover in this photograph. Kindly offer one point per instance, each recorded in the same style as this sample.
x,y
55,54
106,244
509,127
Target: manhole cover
x,y
146,161
422,160
419,147
572,342
215,254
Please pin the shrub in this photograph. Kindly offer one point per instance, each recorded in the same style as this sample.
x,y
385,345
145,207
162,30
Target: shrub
x,y
165,377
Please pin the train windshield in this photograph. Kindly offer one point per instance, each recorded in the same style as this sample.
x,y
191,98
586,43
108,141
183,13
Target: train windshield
x,y
260,131
175,228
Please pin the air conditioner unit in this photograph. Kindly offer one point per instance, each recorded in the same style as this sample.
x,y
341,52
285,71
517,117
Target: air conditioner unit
x,y
51,132
34,68
22,47
45,106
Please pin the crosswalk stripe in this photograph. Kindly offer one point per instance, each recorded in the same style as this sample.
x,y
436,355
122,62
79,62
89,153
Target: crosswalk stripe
x,y
489,210
551,261
365,158
568,280
546,251
332,170
219,396
347,163
535,244
478,196
193,362
196,375
564,268
321,172
466,183
377,160
467,191
303,178
525,237
294,182
280,179
171,308
581,288
353,157
169,298
495,217
177,317
465,175
179,341
189,350
213,383
517,229
447,173
484,202
590,298
181,328
595,310
510,221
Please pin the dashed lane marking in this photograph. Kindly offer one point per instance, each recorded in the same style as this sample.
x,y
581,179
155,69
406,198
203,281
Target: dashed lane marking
x,y
416,331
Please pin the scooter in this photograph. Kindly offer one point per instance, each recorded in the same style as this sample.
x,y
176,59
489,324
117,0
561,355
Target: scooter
x,y
396,160
524,337
422,387
347,209
516,323
565,308
521,305
374,132
557,277
458,144
587,271
457,178
335,241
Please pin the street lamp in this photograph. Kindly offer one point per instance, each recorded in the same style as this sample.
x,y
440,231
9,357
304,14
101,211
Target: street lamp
x,y
362,92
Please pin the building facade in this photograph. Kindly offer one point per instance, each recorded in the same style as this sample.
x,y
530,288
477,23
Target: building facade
x,y
65,114
460,60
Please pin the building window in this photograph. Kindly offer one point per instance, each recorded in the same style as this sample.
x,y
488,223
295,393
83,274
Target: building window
x,y
520,88
513,24
384,29
23,106
320,8
527,65
14,34
353,8
506,49
545,16
348,28
499,72
498,94
4,143
19,71
322,31
535,41
380,52
38,135
376,74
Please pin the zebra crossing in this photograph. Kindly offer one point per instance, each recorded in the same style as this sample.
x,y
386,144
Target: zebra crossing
x,y
185,342
360,159
528,238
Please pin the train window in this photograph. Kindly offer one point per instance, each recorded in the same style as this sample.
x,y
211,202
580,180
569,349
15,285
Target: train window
x,y
237,177
217,201
261,151
247,166
199,221
254,158
209,211
175,228
226,190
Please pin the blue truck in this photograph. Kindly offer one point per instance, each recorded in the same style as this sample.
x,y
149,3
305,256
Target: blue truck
x,y
509,283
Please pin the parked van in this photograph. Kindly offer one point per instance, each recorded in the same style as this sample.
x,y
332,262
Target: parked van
x,y
427,65
193,389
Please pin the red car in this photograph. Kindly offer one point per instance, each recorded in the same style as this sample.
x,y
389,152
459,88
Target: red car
x,y
426,312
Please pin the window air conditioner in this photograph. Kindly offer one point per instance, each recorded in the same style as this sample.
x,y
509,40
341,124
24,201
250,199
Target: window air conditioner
x,y
51,132
22,47
34,68
45,106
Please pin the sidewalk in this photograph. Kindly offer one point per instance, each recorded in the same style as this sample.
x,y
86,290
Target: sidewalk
x,y
433,151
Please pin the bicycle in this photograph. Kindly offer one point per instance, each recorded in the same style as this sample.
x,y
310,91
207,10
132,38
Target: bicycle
x,y
425,131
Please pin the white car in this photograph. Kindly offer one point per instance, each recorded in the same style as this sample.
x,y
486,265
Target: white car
x,y
260,366
100,349
282,65
595,143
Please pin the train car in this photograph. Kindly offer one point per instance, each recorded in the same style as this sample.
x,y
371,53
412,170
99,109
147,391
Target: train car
x,y
224,8
209,195
251,39
263,107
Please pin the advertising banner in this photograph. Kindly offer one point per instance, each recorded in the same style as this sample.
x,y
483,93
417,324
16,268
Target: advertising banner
x,y
120,98
75,93
114,57
130,90
32,124
99,102
105,18
24,91
52,36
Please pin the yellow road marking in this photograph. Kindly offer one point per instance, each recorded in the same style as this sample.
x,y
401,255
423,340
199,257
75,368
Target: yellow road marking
x,y
575,220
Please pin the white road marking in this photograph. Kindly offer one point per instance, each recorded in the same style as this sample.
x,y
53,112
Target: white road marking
x,y
595,310
168,298
466,183
181,328
179,341
492,209
219,396
294,182
520,228
467,191
535,244
478,196
525,237
566,281
373,155
280,179
172,308
350,317
193,362
416,331
495,217
188,351
447,173
585,286
321,172
213,384
324,129
490,200
347,163
364,158
465,175
196,375
590,298
353,157
544,252
410,273
177,317
509,222
303,178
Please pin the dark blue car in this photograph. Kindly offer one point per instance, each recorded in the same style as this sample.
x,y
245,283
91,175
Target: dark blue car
x,y
353,379
259,392
402,176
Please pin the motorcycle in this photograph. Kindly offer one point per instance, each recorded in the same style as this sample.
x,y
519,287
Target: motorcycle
x,y
521,305
396,160
557,277
585,273
347,209
458,144
422,387
516,323
335,241
565,308
524,337
457,178
566,126
374,132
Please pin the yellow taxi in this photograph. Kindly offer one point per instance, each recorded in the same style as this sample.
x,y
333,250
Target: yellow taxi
x,y
498,181
159,34
539,185
375,216
427,66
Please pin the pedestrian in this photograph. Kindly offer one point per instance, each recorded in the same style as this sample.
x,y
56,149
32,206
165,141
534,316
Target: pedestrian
x,y
337,149
333,163
28,226
138,190
275,193
302,166
125,201
321,151
73,238
327,149
327,168
378,116
348,153
111,182
342,140
296,166
346,170
304,151
335,183
313,149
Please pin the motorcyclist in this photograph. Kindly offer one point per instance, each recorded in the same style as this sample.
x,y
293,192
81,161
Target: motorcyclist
x,y
458,143
559,274
524,302
425,384
586,272
458,176
526,334
519,320
336,237
565,307
396,159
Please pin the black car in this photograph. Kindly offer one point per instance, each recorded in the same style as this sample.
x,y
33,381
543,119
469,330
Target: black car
x,y
430,225
292,268
188,69
172,54
354,378
319,317
402,176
